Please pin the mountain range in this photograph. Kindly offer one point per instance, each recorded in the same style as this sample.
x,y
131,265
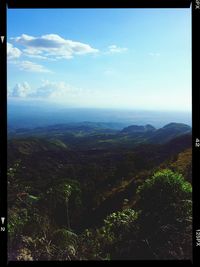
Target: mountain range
x,y
102,135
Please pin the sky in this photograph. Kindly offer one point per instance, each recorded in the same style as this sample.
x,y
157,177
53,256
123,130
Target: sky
x,y
103,58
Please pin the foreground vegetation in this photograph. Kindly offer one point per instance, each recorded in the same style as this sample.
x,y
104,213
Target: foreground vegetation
x,y
109,204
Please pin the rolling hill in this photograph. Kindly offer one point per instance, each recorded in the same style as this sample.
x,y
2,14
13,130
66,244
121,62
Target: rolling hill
x,y
103,168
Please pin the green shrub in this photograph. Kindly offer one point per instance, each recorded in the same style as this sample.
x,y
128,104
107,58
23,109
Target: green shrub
x,y
165,215
166,197
105,242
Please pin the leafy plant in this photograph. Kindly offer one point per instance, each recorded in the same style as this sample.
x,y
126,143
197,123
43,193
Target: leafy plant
x,y
165,214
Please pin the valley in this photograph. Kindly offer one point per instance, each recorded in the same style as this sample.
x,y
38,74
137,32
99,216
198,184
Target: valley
x,y
71,177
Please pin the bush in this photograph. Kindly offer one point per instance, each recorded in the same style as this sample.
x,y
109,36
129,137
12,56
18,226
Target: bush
x,y
165,197
65,242
107,241
118,222
165,215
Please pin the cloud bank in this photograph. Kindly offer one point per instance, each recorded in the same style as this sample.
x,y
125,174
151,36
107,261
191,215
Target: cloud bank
x,y
21,90
32,67
58,91
53,46
13,52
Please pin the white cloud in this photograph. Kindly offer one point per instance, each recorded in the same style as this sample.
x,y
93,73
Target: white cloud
x,y
21,90
54,91
52,45
13,52
32,67
116,49
37,56
57,91
48,91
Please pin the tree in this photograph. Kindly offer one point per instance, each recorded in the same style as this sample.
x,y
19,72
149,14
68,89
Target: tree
x,y
165,214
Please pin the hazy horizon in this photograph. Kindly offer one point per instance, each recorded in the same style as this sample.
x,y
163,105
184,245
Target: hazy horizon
x,y
33,114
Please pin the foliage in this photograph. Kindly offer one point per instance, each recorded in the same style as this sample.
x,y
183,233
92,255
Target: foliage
x,y
17,220
165,216
24,254
118,222
165,195
66,242
74,197
102,243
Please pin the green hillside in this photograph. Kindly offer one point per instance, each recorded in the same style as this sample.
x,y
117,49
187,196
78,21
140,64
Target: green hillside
x,y
89,193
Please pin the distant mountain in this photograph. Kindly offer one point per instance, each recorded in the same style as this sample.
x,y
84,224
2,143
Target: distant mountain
x,y
76,127
27,146
138,129
30,114
169,131
149,134
97,135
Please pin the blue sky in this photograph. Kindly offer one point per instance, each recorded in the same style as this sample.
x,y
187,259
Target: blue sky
x,y
117,58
